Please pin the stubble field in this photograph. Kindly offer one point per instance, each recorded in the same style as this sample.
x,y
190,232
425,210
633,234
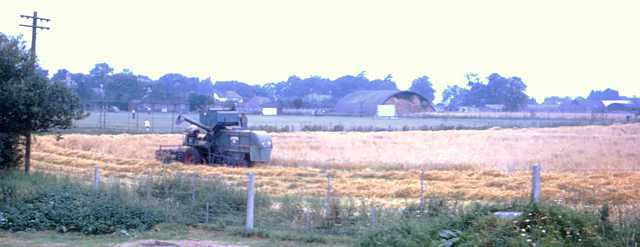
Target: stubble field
x,y
590,164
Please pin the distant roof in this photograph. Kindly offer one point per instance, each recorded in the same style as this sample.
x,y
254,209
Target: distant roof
x,y
367,101
494,106
228,94
622,102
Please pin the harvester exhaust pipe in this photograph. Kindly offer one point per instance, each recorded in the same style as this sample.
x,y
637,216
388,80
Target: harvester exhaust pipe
x,y
181,119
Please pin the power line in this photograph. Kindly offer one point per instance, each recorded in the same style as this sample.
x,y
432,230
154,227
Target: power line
x,y
34,27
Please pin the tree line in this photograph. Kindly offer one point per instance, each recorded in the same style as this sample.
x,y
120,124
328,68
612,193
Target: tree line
x,y
102,84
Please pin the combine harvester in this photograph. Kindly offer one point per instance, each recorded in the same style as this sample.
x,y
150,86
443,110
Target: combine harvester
x,y
225,141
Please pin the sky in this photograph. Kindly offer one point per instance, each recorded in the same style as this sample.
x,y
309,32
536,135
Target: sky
x,y
564,48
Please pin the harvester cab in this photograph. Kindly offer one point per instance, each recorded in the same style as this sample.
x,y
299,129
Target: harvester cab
x,y
220,137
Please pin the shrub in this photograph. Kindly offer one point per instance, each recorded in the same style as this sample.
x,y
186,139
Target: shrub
x,y
411,233
544,225
39,202
9,152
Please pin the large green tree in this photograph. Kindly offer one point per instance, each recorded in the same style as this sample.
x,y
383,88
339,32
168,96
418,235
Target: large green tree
x,y
199,102
507,91
30,102
454,97
423,86
121,88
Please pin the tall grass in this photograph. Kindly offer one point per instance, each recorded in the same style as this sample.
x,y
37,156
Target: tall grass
x,y
34,203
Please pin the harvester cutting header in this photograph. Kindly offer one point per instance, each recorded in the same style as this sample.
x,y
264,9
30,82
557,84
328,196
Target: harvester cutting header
x,y
220,137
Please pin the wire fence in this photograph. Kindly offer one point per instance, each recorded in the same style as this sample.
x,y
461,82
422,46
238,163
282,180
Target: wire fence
x,y
246,207
164,122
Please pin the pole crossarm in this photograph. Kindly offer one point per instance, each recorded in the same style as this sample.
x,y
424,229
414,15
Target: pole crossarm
x,y
34,27
45,28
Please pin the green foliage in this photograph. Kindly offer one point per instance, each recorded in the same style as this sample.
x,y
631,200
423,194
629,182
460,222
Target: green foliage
x,y
121,88
454,97
9,153
40,202
554,224
101,70
542,225
509,92
199,102
176,196
423,86
29,101
43,202
404,234
607,94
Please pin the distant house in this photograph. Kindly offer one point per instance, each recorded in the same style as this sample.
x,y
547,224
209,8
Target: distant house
x,y
493,108
157,106
99,92
621,105
468,109
440,107
227,96
543,107
366,102
582,105
257,101
256,104
316,100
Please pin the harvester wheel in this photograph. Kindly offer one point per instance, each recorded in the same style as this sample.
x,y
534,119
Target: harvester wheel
x,y
192,156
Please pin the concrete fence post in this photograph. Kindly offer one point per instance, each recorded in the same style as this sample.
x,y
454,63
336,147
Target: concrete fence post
x,y
422,189
251,192
328,197
206,213
148,185
535,184
307,221
374,213
193,189
96,179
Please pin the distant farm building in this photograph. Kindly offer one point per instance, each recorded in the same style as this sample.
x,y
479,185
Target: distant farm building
x,y
227,96
366,102
543,108
582,105
468,109
621,105
158,106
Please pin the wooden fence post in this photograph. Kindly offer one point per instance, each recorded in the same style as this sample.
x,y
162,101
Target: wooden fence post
x,y
96,179
422,189
251,192
535,184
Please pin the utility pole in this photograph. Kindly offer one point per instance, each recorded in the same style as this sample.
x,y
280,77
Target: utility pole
x,y
34,27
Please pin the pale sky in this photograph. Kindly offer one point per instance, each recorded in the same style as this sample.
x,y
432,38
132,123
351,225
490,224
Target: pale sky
x,y
561,48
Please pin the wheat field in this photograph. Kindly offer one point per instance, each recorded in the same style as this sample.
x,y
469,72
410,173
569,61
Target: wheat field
x,y
591,164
